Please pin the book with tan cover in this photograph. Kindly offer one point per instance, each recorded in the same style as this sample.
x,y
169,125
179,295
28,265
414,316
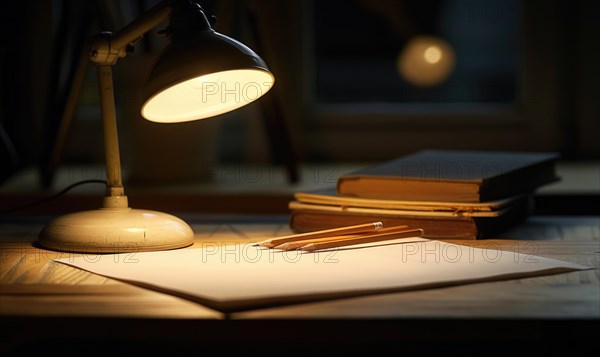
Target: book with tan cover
x,y
443,225
329,197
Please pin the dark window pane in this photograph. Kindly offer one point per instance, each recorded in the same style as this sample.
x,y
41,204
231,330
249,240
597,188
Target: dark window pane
x,y
386,51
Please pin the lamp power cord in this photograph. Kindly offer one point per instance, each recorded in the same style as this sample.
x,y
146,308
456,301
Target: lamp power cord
x,y
53,197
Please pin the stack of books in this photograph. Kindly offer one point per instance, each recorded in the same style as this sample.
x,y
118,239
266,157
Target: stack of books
x,y
448,194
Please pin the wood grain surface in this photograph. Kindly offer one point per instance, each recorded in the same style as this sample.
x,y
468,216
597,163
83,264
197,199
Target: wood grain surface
x,y
31,284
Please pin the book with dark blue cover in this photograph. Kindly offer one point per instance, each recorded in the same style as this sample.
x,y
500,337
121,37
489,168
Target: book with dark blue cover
x,y
455,176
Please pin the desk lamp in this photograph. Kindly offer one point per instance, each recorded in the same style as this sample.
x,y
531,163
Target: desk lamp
x,y
200,74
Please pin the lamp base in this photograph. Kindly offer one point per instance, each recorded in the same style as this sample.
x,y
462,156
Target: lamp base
x,y
116,230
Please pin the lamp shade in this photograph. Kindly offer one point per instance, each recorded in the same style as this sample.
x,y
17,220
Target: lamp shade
x,y
202,73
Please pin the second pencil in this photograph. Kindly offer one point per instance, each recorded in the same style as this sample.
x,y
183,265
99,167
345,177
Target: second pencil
x,y
367,227
297,244
362,240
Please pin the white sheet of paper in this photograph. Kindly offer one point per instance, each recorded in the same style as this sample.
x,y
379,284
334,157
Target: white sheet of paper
x,y
247,276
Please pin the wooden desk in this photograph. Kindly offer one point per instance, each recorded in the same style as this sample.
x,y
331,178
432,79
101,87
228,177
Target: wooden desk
x,y
44,304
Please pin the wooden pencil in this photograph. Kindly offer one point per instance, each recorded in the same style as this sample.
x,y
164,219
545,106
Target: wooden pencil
x,y
372,238
297,244
367,227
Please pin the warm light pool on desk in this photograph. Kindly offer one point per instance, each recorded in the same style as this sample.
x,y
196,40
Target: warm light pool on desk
x,y
200,74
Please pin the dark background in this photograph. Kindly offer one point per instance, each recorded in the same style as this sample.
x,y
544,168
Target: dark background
x,y
525,78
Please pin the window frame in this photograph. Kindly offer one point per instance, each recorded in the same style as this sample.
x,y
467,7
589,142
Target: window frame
x,y
374,131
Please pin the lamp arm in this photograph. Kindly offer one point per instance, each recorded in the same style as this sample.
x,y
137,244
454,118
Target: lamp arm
x,y
104,51
115,194
107,48
136,29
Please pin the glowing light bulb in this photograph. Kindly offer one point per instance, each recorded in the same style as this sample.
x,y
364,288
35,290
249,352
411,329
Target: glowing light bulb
x,y
426,61
432,54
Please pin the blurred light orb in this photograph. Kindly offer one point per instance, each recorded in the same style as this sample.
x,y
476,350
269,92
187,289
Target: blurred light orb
x,y
426,61
432,54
